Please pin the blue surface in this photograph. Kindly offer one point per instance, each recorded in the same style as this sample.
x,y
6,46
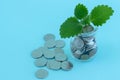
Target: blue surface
x,y
23,24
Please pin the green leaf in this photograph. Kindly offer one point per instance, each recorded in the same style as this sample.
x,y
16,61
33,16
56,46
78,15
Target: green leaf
x,y
70,28
80,11
100,14
86,20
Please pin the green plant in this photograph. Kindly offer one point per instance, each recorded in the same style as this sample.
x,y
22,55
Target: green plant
x,y
75,25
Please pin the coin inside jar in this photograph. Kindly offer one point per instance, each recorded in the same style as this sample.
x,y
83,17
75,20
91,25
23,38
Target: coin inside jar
x,y
78,43
41,73
84,57
92,52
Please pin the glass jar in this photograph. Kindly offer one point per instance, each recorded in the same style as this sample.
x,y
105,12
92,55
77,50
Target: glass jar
x,y
84,45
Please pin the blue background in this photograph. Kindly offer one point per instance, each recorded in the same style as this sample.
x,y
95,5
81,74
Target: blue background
x,y
23,24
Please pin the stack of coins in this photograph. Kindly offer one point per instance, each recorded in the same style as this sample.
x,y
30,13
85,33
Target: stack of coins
x,y
51,55
83,47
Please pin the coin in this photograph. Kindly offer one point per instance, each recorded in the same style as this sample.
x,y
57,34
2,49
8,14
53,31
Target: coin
x,y
84,57
59,50
88,29
77,54
66,65
49,36
88,39
49,53
37,53
92,52
60,57
53,64
40,62
41,73
50,44
60,43
78,43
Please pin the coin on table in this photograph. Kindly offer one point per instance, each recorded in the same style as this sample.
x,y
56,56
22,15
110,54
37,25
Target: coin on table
x,y
66,65
60,43
92,52
49,36
60,57
53,64
49,54
37,53
40,62
84,57
50,44
41,73
59,50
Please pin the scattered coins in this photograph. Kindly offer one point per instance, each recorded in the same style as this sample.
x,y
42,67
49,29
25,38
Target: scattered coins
x,y
37,53
49,36
66,65
60,57
58,50
40,62
41,74
60,43
53,64
50,44
51,55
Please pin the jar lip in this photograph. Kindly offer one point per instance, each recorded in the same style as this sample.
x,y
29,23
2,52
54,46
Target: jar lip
x,y
91,33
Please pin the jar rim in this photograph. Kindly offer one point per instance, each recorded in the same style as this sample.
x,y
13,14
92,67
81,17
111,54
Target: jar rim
x,y
91,33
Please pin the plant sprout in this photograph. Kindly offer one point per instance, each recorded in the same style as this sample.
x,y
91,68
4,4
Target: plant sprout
x,y
75,25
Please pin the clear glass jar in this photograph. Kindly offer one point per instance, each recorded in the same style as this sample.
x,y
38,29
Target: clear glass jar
x,y
84,45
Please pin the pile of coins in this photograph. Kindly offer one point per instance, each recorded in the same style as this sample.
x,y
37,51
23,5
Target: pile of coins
x,y
83,47
51,55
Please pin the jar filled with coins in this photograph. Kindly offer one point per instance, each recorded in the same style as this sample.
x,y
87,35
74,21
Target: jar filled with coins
x,y
84,45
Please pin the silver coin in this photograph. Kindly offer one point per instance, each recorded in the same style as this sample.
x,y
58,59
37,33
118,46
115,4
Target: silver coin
x,y
37,53
88,39
92,52
59,50
77,54
50,44
40,62
78,43
49,36
60,43
84,57
53,64
41,73
88,29
60,57
49,54
90,46
66,65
